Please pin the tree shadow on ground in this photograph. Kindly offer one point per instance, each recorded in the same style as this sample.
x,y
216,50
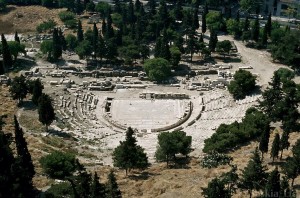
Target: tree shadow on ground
x,y
61,134
23,64
28,105
180,163
142,176
278,163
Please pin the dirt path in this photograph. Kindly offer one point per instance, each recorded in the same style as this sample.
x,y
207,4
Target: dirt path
x,y
260,60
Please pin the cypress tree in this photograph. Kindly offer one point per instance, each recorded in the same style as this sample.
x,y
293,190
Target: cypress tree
x,y
191,45
284,142
109,29
237,16
269,25
17,37
165,48
62,40
57,48
131,16
253,176
213,40
2,71
23,168
203,26
275,147
103,27
7,58
152,10
117,7
6,162
195,25
37,91
79,32
273,184
246,25
95,40
137,5
265,36
255,30
264,142
178,10
45,110
201,40
157,49
101,48
97,189
112,188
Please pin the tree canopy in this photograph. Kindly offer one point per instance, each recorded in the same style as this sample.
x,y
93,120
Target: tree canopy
x,y
128,155
172,143
157,69
243,84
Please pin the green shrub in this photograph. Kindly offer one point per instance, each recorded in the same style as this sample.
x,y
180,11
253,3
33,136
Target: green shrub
x,y
72,23
66,15
45,26
215,159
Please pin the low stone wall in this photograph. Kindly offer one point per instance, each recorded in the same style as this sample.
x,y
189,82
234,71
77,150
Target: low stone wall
x,y
178,123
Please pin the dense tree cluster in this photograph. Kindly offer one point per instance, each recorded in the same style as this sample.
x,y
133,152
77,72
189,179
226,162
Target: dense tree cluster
x,y
228,137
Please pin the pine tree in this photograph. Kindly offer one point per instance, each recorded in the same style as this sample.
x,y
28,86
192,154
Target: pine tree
x,y
213,40
275,147
17,37
7,58
112,188
79,32
45,110
97,189
95,40
253,176
37,91
18,88
291,169
215,188
284,142
264,142
273,184
128,155
255,30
